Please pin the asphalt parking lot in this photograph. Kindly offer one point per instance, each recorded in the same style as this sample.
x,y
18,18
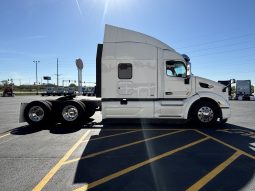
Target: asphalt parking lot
x,y
127,156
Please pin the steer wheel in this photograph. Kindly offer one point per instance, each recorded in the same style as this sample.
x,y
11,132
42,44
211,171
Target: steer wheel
x,y
204,114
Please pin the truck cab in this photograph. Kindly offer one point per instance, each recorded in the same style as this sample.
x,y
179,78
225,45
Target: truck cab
x,y
142,77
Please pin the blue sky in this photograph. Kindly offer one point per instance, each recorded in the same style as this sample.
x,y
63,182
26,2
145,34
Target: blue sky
x,y
218,35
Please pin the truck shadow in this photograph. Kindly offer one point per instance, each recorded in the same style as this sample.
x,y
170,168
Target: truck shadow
x,y
66,129
118,158
53,128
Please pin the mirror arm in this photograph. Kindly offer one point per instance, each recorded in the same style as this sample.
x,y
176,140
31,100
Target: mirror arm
x,y
232,81
186,80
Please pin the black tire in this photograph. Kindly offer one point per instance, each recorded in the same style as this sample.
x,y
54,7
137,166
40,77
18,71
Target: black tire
x,y
90,109
47,103
223,121
204,114
38,113
72,112
53,118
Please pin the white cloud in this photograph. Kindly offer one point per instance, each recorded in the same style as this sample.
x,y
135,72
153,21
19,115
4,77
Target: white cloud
x,y
78,6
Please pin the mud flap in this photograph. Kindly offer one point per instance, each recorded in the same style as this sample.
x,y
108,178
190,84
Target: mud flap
x,y
21,113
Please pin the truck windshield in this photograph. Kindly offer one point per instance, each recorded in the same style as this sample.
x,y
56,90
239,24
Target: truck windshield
x,y
176,69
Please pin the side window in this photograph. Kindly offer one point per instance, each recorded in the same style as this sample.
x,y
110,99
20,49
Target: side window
x,y
125,71
176,69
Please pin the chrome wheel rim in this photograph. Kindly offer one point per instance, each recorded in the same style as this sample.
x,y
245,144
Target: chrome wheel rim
x,y
70,113
205,114
36,113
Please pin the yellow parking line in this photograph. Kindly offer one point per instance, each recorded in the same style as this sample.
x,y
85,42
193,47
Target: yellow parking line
x,y
207,178
146,129
165,129
53,171
103,137
227,145
2,136
139,165
120,147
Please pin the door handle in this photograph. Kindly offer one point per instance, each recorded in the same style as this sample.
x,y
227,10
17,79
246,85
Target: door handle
x,y
169,93
123,102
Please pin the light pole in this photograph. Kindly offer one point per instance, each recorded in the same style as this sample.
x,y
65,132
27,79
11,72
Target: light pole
x,y
36,61
57,73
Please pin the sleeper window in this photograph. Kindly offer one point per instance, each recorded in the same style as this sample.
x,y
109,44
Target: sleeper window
x,y
125,71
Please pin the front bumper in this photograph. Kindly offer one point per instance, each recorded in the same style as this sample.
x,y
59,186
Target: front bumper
x,y
226,112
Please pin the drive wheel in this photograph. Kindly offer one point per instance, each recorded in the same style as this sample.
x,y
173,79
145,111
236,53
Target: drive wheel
x,y
72,112
38,113
204,114
90,109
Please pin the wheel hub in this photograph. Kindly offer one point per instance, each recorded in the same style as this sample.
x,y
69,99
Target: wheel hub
x,y
36,113
70,113
205,114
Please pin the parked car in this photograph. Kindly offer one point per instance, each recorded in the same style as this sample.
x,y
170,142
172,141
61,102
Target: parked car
x,y
59,91
88,91
49,91
69,91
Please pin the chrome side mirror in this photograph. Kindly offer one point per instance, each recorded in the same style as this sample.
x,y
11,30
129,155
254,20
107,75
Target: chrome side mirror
x,y
188,69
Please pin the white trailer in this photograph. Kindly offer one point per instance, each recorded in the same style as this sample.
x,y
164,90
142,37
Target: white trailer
x,y
138,77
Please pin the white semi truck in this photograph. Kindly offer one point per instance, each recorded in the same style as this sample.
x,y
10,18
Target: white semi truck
x,y
138,77
243,90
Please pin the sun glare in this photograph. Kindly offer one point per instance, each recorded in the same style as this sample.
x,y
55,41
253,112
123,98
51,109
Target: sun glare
x,y
113,5
104,7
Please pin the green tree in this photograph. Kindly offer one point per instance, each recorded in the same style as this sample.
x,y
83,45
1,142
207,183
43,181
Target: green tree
x,y
233,90
72,85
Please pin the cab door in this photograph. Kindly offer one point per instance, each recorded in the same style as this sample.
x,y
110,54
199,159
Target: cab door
x,y
175,88
176,83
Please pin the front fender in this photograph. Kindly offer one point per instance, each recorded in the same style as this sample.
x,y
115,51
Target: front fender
x,y
222,103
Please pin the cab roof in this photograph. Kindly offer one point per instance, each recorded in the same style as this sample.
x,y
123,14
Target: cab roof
x,y
115,34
